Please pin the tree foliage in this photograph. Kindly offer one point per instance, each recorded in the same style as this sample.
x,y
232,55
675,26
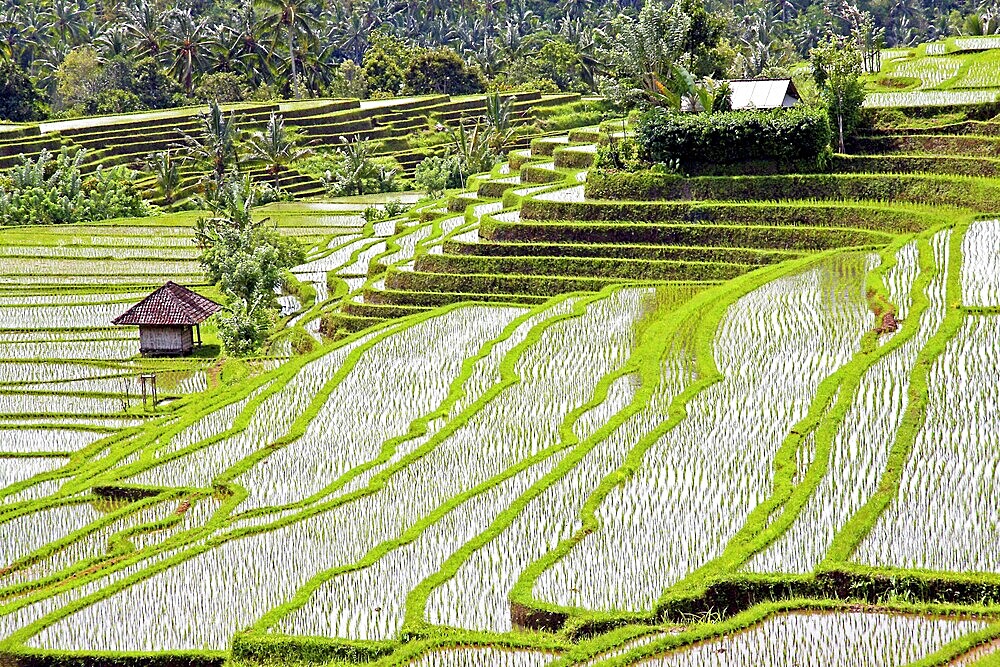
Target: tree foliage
x,y
247,258
837,70
52,190
20,100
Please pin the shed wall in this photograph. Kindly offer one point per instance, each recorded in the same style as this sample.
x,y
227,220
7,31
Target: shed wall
x,y
165,340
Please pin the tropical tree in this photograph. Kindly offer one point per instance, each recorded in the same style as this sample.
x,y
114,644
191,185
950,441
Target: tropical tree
x,y
837,71
188,44
167,174
275,147
20,101
247,258
642,52
215,143
355,166
291,18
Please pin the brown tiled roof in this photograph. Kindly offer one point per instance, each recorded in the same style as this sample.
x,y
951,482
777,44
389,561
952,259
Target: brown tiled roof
x,y
171,304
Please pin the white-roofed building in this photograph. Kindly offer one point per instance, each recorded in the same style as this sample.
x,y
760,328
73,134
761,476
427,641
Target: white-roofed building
x,y
763,94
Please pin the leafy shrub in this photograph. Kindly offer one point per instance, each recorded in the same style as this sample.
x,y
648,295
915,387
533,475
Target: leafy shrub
x,y
20,100
113,101
800,133
619,155
243,330
247,258
52,190
222,87
437,174
442,71
354,170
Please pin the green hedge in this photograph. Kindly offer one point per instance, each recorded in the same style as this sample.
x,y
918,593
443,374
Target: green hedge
x,y
513,285
980,194
28,658
380,310
628,233
274,648
916,164
831,215
437,299
800,133
567,158
939,144
723,254
591,267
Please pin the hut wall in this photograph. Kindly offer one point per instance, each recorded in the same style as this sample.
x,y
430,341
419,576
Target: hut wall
x,y
165,340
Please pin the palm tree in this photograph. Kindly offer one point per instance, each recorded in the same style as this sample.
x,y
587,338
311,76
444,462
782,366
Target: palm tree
x,y
248,53
68,21
167,173
146,31
275,147
293,19
189,41
215,143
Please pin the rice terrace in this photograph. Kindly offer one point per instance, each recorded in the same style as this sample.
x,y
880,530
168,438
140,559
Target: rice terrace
x,y
505,332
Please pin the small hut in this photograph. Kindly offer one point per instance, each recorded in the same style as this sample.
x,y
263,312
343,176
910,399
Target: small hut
x,y
168,320
763,94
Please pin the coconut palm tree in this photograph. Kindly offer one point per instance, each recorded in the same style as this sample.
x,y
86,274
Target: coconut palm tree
x,y
275,147
214,145
293,19
146,31
167,173
188,44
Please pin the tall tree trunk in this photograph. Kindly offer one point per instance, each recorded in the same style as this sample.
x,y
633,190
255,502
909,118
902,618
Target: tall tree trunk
x,y
840,130
291,55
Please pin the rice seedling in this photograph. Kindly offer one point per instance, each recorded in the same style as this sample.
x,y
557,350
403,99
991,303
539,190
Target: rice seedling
x,y
70,299
860,449
28,440
19,615
931,72
91,545
60,404
10,266
486,373
111,349
480,656
359,267
893,54
477,596
921,98
370,603
270,421
27,532
899,279
573,194
388,388
980,73
17,470
981,264
944,515
77,279
335,260
977,43
154,253
40,374
700,480
625,647
803,639
407,242
213,424
236,582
